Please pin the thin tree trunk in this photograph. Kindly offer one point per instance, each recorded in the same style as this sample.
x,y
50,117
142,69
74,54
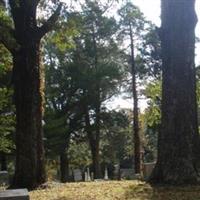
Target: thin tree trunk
x,y
96,159
137,145
64,167
178,144
4,166
94,146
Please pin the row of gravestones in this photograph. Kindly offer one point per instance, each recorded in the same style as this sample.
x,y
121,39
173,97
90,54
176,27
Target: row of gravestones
x,y
121,173
87,175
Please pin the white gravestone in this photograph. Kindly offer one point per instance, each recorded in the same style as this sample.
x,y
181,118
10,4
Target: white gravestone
x,y
86,177
106,174
88,172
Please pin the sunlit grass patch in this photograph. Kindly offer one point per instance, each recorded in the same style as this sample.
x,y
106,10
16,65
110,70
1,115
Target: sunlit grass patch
x,y
115,190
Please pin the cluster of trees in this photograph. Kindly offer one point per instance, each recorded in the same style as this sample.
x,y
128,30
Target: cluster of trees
x,y
82,77
90,58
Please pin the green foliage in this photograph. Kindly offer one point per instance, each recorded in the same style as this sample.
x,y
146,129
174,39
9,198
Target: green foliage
x,y
87,72
7,116
116,144
153,94
152,119
79,155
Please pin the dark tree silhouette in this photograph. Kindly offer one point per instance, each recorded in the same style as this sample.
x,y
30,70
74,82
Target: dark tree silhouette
x,y
23,41
178,145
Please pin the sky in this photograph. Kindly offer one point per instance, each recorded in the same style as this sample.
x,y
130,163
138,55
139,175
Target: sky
x,y
151,10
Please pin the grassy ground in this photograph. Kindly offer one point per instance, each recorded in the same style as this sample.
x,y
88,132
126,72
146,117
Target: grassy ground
x,y
115,190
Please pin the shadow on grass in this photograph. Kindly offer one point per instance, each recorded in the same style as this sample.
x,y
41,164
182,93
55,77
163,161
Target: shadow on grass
x,y
147,192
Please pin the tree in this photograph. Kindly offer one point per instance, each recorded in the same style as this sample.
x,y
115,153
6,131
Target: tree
x,y
63,97
102,59
178,141
132,24
116,145
22,38
151,119
7,116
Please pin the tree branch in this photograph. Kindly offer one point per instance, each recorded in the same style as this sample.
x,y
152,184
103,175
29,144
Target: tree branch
x,y
49,24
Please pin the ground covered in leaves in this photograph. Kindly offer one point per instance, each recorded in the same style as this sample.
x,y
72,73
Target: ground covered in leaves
x,y
115,190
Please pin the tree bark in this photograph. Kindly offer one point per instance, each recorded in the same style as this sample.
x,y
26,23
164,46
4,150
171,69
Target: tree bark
x,y
136,134
4,166
64,167
30,167
95,159
94,146
24,43
178,143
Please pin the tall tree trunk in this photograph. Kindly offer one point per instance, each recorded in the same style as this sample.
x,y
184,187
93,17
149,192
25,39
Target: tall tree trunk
x,y
64,162
24,43
136,134
178,144
94,146
30,169
64,167
3,160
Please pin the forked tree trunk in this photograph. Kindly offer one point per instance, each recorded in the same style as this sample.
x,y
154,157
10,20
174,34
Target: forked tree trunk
x,y
24,43
178,144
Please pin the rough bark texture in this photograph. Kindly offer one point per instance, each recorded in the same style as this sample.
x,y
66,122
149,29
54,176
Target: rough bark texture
x,y
24,44
136,134
28,101
178,144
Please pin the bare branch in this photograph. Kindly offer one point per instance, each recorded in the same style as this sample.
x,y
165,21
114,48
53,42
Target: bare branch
x,y
49,24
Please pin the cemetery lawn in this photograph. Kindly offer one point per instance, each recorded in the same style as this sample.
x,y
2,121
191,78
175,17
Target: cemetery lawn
x,y
114,190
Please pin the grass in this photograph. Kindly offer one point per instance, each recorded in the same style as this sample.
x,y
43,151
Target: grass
x,y
115,190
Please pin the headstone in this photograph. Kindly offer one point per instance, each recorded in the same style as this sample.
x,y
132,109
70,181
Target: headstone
x,y
88,173
92,176
138,176
148,168
127,174
117,172
77,175
106,174
98,180
20,194
86,176
4,178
